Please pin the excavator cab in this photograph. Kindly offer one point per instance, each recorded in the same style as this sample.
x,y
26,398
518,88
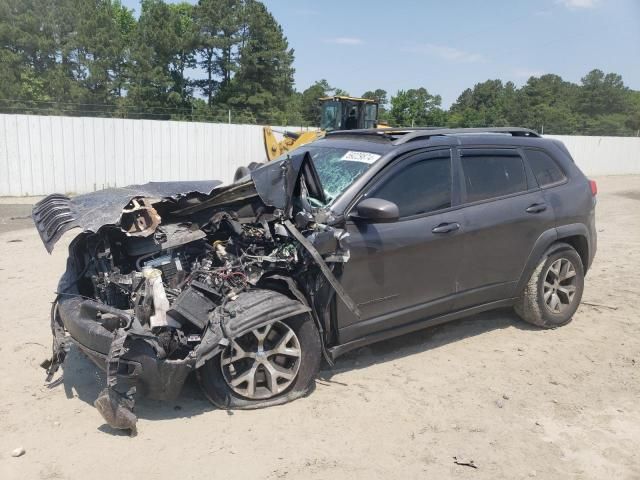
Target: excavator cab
x,y
348,113
338,113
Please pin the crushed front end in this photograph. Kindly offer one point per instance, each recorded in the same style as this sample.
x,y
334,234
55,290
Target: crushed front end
x,y
165,275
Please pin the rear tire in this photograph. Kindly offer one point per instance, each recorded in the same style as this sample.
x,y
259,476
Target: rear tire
x,y
554,290
216,377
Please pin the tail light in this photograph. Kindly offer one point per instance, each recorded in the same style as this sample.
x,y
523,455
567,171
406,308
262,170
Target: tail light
x,y
594,187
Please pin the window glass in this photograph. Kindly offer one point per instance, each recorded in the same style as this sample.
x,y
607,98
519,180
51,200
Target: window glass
x,y
337,168
331,116
370,114
490,176
421,187
544,168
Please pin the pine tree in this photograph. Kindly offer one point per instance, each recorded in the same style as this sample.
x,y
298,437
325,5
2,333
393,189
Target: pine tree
x,y
263,83
219,24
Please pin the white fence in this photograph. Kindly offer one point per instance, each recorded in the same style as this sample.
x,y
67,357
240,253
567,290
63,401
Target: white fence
x,y
41,154
604,155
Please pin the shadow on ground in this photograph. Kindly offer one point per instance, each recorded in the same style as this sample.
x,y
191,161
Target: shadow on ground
x,y
82,379
15,217
424,340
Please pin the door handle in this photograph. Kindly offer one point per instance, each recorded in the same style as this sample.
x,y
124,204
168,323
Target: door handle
x,y
536,208
446,228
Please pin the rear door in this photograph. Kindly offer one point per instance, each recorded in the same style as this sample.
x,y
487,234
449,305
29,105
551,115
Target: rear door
x,y
402,271
504,214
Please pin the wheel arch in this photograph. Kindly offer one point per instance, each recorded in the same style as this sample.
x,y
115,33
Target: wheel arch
x,y
549,241
581,245
251,309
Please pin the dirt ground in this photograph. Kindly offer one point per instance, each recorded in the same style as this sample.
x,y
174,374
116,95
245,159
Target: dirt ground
x,y
519,402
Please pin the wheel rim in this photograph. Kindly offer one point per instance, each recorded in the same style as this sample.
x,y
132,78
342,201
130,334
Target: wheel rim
x,y
262,363
560,285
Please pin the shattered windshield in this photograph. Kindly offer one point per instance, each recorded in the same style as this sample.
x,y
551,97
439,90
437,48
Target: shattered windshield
x,y
339,167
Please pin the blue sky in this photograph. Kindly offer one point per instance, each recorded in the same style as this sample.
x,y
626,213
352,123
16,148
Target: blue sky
x,y
447,46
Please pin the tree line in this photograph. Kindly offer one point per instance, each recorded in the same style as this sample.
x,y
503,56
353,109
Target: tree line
x,y
599,105
230,58
175,61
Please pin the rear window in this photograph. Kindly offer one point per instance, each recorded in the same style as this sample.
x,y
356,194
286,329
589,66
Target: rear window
x,y
545,169
490,175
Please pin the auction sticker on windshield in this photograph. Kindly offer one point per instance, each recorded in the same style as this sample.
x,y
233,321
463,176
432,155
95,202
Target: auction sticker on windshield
x,y
363,157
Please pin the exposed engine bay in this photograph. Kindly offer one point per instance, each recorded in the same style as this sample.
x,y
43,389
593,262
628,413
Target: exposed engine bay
x,y
179,273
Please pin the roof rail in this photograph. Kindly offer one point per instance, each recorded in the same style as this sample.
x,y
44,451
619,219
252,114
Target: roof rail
x,y
375,131
426,133
413,133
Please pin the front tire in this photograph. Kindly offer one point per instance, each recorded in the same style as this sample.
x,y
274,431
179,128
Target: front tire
x,y
554,291
267,366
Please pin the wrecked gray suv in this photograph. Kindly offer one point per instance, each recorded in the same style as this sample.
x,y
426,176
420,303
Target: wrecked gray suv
x,y
355,238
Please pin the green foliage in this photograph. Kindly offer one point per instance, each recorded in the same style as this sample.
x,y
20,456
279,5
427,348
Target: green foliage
x,y
93,57
633,118
487,104
600,105
416,108
379,95
309,105
219,57
263,82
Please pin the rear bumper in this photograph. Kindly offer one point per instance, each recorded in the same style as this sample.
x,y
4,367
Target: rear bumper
x,y
140,366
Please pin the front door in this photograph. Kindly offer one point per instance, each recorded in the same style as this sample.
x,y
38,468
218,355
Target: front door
x,y
405,270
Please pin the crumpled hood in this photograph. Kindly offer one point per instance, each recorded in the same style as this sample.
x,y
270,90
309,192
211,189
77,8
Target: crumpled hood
x,y
56,214
275,183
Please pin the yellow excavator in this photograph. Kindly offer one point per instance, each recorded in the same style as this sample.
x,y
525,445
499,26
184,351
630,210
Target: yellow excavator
x,y
337,113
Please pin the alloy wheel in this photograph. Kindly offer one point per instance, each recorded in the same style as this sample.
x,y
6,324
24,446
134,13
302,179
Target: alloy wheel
x,y
560,285
262,363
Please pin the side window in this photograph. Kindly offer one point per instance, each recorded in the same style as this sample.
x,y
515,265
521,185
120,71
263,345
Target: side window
x,y
545,169
370,115
422,187
490,175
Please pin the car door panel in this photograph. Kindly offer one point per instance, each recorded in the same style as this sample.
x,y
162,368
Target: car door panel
x,y
499,235
396,267
402,266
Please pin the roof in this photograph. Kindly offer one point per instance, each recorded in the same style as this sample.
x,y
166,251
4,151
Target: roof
x,y
383,140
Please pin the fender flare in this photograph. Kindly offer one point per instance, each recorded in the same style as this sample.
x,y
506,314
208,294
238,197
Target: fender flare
x,y
544,242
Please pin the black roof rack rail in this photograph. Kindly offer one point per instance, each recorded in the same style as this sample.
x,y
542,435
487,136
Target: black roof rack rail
x,y
414,133
426,133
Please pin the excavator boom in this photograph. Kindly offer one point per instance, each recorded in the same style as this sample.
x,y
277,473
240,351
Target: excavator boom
x,y
291,141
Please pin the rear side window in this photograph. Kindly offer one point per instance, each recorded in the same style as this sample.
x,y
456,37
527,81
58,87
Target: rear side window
x,y
422,187
545,169
491,175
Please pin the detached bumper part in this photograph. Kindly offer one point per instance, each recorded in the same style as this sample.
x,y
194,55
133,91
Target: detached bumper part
x,y
131,362
140,366
117,410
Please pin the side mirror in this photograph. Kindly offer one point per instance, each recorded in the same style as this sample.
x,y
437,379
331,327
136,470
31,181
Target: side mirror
x,y
377,210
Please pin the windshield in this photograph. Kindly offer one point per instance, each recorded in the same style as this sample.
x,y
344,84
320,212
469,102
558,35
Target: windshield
x,y
339,167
